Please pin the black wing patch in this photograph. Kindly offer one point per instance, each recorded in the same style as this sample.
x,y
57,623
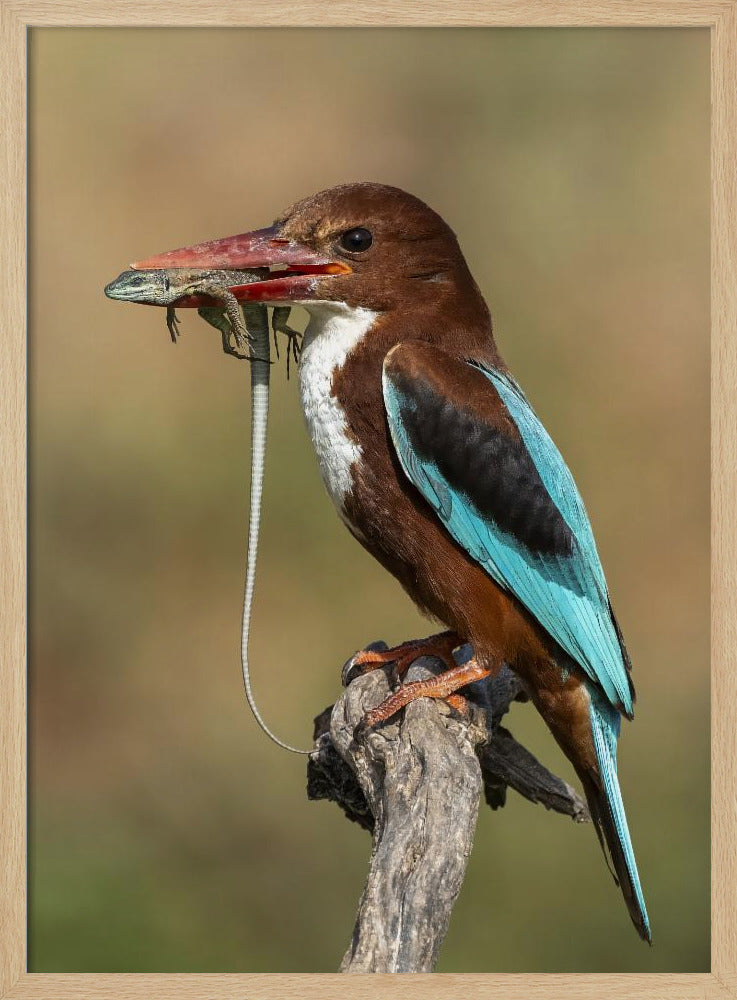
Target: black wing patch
x,y
493,470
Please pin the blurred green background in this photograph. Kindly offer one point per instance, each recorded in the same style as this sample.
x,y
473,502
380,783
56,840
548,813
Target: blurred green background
x,y
167,833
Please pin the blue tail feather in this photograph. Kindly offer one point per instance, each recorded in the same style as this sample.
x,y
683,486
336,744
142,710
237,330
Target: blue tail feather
x,y
609,814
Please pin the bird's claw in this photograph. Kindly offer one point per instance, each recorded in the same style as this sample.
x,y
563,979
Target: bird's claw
x,y
353,669
350,671
399,658
459,706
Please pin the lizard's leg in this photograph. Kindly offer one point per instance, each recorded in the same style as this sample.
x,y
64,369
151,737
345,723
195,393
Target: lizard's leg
x,y
216,290
279,324
217,317
172,323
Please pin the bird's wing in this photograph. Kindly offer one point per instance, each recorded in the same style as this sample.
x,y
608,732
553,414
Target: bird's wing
x,y
470,442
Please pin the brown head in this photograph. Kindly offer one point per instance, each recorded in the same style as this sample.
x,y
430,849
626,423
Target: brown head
x,y
363,245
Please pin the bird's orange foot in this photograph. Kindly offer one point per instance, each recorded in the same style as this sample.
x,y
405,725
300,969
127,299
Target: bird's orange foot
x,y
441,686
403,656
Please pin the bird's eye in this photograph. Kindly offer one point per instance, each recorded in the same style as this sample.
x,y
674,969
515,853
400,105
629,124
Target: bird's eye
x,y
356,240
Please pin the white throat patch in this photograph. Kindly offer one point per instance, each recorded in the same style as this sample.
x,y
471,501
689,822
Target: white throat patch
x,y
333,331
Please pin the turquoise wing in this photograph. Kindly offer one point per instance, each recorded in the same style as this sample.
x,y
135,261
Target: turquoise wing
x,y
498,483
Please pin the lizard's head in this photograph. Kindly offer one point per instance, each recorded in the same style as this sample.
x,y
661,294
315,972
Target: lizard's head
x,y
148,287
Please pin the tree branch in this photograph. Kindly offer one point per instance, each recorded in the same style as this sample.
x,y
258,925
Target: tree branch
x,y
415,783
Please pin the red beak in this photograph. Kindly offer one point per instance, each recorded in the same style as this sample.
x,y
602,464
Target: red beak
x,y
298,269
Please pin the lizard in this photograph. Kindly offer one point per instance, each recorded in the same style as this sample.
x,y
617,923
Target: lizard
x,y
250,331
175,286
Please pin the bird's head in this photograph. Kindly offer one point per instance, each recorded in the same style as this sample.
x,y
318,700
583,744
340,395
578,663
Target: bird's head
x,y
358,245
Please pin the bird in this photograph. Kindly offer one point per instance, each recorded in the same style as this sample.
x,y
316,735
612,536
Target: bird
x,y
439,466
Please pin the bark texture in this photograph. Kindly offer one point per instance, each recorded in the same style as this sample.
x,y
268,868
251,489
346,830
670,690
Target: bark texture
x,y
416,783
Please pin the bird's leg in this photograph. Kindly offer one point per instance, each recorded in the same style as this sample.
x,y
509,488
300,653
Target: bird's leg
x,y
402,656
279,324
441,686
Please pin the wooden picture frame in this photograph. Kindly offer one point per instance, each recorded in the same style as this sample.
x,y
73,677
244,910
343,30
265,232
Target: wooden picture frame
x,y
720,17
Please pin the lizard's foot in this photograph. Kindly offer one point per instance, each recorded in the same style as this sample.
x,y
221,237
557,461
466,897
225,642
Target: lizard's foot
x,y
230,346
216,316
233,351
402,656
442,686
172,323
229,311
279,324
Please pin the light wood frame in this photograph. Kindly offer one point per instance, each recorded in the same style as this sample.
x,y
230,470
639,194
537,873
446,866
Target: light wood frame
x,y
16,17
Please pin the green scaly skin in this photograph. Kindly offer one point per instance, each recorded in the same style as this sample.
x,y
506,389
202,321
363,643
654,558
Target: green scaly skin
x,y
167,287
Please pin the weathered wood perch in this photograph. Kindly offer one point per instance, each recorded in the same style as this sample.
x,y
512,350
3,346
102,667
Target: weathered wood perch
x,y
415,783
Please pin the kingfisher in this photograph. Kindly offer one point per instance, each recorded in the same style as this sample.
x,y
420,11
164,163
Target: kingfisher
x,y
440,468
